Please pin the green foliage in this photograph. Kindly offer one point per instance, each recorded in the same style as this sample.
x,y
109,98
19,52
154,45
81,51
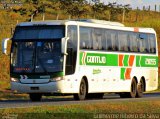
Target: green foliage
x,y
74,7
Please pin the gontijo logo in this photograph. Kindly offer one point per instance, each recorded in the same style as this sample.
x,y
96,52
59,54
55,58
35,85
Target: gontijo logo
x,y
92,58
96,59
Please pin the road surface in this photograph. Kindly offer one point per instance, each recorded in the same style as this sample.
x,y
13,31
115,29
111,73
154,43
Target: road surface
x,y
69,100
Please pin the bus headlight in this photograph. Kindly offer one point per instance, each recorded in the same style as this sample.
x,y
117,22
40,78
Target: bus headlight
x,y
56,79
14,80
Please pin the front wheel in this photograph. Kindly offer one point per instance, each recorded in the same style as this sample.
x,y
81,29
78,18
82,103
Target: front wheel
x,y
35,97
82,91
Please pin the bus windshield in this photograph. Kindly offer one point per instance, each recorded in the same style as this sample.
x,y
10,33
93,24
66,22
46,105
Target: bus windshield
x,y
38,32
37,50
36,57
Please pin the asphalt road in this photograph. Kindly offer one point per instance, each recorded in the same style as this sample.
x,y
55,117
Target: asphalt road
x,y
69,100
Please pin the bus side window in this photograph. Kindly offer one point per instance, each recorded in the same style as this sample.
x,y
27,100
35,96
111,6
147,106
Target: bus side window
x,y
94,39
85,38
97,39
123,41
114,41
104,40
152,40
133,42
128,42
143,42
109,42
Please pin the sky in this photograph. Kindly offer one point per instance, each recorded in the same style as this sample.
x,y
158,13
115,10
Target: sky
x,y
137,3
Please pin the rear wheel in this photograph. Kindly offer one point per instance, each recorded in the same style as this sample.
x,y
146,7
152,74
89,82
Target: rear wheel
x,y
35,97
82,91
133,90
140,89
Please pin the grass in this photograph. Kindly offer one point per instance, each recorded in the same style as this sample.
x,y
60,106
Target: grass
x,y
8,95
85,110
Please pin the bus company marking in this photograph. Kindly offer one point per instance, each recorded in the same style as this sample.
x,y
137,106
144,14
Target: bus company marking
x,y
96,59
150,61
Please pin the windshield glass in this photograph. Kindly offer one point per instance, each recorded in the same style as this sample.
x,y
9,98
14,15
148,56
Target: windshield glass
x,y
37,49
38,32
36,57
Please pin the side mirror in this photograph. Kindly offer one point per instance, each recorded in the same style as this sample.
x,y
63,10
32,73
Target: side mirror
x,y
64,45
4,45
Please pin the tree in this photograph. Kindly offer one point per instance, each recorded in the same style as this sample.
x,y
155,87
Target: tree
x,y
75,8
97,7
116,9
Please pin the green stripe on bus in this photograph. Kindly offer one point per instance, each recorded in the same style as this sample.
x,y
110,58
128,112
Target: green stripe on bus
x,y
112,60
100,59
137,61
126,60
123,70
81,57
97,59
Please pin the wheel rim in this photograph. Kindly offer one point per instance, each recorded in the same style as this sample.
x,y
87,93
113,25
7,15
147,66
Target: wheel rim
x,y
82,89
133,88
141,87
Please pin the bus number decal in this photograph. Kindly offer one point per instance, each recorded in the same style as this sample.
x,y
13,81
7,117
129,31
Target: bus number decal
x,y
146,61
150,61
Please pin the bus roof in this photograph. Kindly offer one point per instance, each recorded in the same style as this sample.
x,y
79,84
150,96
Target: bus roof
x,y
89,23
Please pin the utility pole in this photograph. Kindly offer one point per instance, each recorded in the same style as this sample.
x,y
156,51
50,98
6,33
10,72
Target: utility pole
x,y
137,14
57,17
123,17
155,8
32,17
43,7
43,16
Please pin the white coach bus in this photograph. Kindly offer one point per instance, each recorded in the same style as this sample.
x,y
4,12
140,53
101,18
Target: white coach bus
x,y
85,58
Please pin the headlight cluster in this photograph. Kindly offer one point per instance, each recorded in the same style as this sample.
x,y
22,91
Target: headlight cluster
x,y
14,80
56,79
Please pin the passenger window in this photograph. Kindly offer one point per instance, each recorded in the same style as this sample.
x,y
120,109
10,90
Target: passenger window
x,y
114,41
143,42
109,42
97,39
85,38
123,41
152,43
104,40
133,42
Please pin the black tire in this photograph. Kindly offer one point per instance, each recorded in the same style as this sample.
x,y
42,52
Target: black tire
x,y
133,90
82,91
35,97
140,89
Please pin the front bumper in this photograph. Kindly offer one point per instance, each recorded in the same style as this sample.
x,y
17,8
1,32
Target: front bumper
x,y
51,87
